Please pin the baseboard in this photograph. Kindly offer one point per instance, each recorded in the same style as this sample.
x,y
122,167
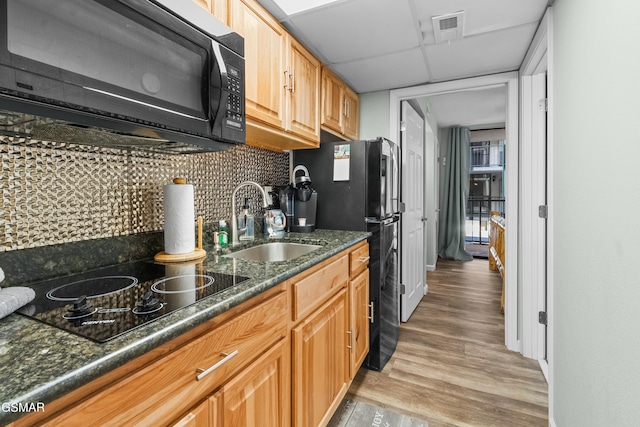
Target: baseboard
x,y
544,367
431,267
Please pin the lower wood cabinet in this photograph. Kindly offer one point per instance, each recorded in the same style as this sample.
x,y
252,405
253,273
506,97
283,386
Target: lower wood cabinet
x,y
359,321
178,381
197,417
320,362
259,396
330,334
285,358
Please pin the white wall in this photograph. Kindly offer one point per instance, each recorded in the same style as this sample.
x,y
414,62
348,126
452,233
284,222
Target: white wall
x,y
596,155
374,115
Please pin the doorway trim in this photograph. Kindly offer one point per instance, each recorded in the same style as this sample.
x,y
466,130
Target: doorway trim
x,y
534,130
539,59
510,82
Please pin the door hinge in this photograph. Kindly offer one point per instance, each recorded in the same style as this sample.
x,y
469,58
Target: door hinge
x,y
403,126
543,211
542,317
403,289
544,104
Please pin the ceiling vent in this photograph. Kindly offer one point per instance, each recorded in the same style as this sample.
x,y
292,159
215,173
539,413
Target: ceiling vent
x,y
448,27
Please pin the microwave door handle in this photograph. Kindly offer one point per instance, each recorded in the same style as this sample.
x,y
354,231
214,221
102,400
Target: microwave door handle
x,y
224,82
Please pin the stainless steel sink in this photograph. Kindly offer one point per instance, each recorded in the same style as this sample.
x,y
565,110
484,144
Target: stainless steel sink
x,y
274,252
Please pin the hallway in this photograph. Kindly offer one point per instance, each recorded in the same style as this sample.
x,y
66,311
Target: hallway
x,y
451,367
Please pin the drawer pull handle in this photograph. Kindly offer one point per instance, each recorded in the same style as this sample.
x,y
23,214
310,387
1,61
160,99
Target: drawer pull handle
x,y
205,372
365,259
371,312
350,346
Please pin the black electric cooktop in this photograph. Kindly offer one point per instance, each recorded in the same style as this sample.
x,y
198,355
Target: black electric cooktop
x,y
105,303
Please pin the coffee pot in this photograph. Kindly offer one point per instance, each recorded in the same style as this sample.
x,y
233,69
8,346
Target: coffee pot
x,y
298,201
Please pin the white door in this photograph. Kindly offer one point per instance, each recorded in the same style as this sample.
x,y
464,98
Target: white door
x,y
533,202
413,272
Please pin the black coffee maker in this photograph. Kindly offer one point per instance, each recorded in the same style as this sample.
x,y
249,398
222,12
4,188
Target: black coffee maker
x,y
299,202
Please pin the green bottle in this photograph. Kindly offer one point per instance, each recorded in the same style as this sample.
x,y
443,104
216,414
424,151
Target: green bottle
x,y
223,234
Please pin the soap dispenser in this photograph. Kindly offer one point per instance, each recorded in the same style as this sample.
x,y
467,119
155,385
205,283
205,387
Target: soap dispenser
x,y
245,220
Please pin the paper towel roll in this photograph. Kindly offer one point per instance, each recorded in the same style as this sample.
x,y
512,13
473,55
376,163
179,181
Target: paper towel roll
x,y
179,222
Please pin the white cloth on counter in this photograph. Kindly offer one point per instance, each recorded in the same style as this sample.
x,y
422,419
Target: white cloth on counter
x,y
13,298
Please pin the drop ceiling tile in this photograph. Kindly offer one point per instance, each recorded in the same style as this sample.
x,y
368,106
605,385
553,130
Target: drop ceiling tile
x,y
395,70
470,108
357,29
480,17
296,6
482,54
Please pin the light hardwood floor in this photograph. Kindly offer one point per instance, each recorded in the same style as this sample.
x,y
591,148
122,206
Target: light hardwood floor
x,y
451,367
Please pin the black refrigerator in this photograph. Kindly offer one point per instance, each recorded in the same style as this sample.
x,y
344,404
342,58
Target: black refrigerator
x,y
358,185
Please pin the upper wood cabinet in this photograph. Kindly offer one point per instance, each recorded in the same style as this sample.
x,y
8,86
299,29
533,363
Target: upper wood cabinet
x,y
217,8
351,113
304,92
282,81
265,56
340,106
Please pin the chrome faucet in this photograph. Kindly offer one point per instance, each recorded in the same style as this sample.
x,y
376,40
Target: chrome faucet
x,y
235,231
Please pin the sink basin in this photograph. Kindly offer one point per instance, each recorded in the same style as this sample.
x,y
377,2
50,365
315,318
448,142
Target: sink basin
x,y
273,252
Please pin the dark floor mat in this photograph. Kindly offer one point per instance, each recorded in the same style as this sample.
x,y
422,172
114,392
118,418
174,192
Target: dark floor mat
x,y
351,413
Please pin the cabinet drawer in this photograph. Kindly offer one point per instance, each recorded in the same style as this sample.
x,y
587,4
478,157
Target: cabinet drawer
x,y
156,393
313,290
358,260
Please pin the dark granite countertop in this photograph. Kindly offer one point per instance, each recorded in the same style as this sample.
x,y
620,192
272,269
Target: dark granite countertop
x,y
41,363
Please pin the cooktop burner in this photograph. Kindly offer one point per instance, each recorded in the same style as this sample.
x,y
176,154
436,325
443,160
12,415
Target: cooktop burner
x,y
105,303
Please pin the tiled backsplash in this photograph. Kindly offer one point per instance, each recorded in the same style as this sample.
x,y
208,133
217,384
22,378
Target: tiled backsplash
x,y
57,193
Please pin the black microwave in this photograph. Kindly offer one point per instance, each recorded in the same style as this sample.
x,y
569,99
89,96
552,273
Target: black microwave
x,y
162,69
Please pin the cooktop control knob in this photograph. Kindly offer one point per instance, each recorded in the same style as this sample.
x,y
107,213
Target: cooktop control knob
x,y
148,304
80,307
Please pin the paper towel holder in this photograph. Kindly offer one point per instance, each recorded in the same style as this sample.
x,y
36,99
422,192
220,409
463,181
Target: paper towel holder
x,y
197,253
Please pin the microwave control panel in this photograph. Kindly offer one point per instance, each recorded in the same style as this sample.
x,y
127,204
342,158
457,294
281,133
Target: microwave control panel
x,y
235,100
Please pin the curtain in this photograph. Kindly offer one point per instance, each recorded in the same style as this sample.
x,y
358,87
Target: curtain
x,y
454,190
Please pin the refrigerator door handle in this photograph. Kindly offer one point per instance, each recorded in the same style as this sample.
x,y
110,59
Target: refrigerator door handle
x,y
384,221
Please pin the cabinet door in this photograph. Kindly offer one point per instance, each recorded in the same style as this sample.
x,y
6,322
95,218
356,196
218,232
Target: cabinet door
x,y
351,112
304,92
332,100
320,361
359,313
197,417
265,55
259,396
217,8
